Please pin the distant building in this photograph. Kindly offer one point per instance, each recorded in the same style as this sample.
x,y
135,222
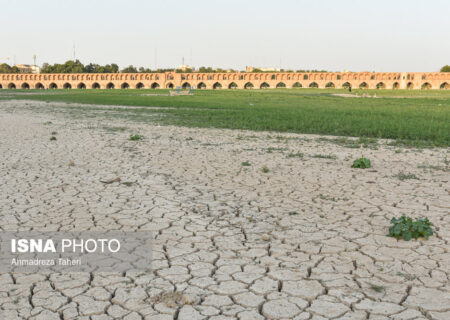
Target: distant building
x,y
252,69
185,68
27,68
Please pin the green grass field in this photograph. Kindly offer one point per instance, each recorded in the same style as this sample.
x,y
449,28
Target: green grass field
x,y
417,118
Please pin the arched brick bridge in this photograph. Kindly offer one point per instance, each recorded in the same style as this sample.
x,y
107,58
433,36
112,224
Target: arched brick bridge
x,y
236,80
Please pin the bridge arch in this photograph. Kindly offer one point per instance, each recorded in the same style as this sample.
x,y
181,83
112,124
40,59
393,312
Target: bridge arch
x,y
95,85
217,85
264,85
67,86
444,86
346,85
410,85
248,85
313,85
155,85
11,85
186,85
25,86
201,85
363,85
330,85
297,85
140,85
1,87
53,86
39,86
426,86
281,85
396,85
381,85
110,85
232,85
124,85
81,85
169,85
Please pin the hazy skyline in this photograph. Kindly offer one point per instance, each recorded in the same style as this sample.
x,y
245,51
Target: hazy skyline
x,y
336,36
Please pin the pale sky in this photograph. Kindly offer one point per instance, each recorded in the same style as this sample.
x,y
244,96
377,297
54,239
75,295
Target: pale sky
x,y
357,35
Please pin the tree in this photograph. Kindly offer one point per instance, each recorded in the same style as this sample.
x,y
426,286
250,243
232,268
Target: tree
x,y
129,69
206,70
77,67
113,67
6,68
445,68
69,66
144,70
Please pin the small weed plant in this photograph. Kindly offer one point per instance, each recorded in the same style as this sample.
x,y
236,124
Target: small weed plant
x,y
136,137
246,164
361,163
404,227
53,138
265,169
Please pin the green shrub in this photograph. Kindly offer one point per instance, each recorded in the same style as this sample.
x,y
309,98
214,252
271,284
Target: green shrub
x,y
404,227
53,138
246,164
361,163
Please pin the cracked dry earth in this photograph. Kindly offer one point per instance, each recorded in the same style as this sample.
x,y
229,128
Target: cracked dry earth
x,y
306,240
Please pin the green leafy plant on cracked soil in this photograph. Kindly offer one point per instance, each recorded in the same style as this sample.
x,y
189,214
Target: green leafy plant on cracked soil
x,y
404,227
361,163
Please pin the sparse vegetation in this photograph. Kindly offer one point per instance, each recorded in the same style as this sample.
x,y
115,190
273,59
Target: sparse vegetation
x,y
246,164
265,169
53,138
272,149
361,163
114,129
328,198
352,143
405,176
377,288
404,227
324,156
295,155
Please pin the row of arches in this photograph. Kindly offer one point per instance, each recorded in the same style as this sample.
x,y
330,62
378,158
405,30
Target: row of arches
x,y
218,85
82,85
265,85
